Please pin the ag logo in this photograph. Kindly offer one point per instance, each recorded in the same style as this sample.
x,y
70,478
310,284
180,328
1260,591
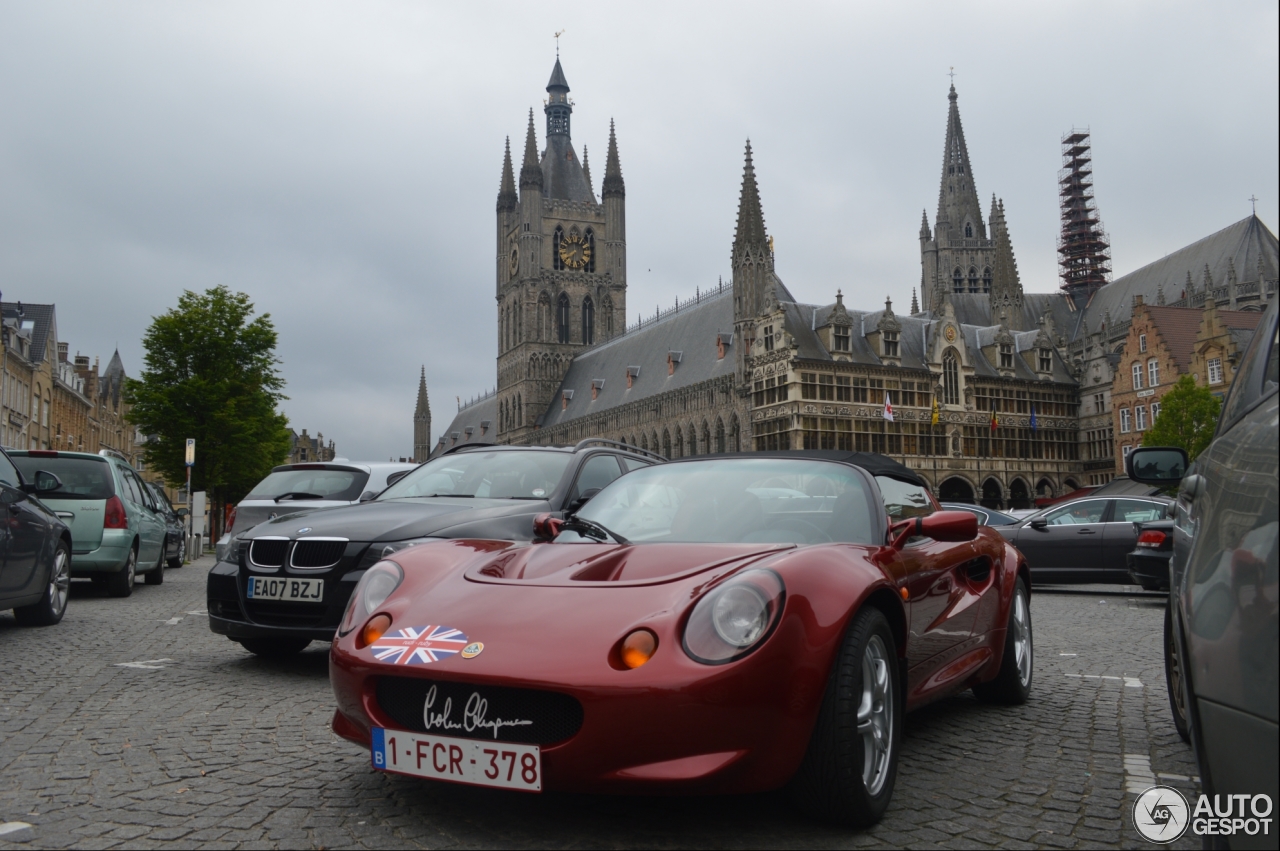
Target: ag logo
x,y
1161,814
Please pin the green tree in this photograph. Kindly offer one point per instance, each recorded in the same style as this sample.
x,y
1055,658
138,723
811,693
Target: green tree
x,y
1188,416
211,375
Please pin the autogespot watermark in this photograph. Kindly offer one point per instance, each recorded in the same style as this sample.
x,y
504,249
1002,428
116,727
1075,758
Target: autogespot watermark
x,y
1162,815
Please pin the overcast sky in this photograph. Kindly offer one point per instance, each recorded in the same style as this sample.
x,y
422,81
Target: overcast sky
x,y
339,162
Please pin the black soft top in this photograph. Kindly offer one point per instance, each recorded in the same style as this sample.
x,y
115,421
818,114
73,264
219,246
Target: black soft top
x,y
873,463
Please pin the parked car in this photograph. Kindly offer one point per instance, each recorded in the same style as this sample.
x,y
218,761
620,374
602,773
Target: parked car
x,y
1149,562
117,530
285,582
175,534
35,548
986,516
1084,540
695,628
296,489
1221,660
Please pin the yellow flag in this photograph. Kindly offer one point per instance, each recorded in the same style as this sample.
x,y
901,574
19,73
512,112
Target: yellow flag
x,y
933,420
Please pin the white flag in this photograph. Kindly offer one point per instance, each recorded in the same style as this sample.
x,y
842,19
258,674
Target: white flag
x,y
888,407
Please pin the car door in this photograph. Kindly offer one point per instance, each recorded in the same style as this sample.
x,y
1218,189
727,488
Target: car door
x,y
153,518
141,516
25,531
1120,536
597,471
1065,540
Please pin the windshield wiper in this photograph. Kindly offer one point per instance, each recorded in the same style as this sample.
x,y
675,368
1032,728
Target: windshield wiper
x,y
592,530
298,495
454,495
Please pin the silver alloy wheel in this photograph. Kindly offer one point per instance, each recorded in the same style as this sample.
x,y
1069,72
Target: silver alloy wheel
x,y
1175,677
875,715
131,567
1022,638
60,581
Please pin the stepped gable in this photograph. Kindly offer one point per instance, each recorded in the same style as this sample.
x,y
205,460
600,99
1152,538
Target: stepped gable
x,y
1245,245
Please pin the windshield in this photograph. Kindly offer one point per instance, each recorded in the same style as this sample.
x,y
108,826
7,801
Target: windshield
x,y
82,478
312,483
501,474
743,500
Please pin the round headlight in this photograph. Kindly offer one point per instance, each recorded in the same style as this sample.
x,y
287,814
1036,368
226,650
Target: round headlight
x,y
733,620
371,591
740,614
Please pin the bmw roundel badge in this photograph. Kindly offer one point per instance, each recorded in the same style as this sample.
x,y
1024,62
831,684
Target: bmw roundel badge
x,y
304,530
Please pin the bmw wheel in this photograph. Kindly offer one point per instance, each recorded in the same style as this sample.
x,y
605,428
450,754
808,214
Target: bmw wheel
x,y
848,772
121,582
53,605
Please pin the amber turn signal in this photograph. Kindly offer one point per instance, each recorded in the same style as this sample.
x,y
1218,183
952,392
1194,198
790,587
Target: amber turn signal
x,y
638,648
374,629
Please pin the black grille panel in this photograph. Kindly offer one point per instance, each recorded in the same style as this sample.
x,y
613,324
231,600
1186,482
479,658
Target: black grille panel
x,y
317,553
555,716
286,614
268,553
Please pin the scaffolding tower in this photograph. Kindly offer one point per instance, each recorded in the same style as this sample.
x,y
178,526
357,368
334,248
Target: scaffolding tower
x,y
1084,252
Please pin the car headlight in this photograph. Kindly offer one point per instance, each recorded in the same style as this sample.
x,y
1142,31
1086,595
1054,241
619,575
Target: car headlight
x,y
736,618
371,591
379,550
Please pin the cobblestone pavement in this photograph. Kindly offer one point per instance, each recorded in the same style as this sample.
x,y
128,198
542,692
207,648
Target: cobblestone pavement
x,y
131,725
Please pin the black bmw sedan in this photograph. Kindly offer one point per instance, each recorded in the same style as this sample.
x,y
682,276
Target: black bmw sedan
x,y
35,548
286,582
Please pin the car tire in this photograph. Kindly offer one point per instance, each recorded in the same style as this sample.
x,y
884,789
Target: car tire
x,y
1012,685
1173,680
178,560
120,583
155,576
53,605
849,769
275,648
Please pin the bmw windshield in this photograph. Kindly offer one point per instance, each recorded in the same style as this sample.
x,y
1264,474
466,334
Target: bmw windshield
x,y
499,474
747,500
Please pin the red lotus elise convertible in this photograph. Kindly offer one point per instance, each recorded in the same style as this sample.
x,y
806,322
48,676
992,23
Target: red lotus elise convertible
x,y
732,623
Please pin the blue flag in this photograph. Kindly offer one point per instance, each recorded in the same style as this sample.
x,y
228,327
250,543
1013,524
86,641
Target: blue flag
x,y
1033,417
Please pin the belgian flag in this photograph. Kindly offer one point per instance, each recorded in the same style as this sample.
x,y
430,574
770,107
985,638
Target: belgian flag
x,y
995,420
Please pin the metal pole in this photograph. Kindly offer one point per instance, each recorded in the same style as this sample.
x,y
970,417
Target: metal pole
x,y
190,515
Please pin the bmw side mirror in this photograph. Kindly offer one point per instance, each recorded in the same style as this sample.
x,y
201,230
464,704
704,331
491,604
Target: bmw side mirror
x,y
546,527
583,499
1156,465
1039,523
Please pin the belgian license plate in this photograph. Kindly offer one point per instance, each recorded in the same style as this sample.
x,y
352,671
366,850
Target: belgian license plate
x,y
478,762
287,588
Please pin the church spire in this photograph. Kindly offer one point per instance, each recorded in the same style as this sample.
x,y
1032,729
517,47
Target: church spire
x,y
915,305
558,107
613,184
530,170
423,405
586,170
750,230
958,203
752,254
507,190
422,421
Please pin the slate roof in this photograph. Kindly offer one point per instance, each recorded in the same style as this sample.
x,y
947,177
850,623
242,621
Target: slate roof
x,y
42,317
562,175
471,416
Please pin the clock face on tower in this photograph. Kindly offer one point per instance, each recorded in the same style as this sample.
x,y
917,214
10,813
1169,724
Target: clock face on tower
x,y
575,252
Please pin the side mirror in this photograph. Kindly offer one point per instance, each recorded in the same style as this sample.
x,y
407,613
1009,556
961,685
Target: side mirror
x,y
183,512
45,482
1039,523
368,495
546,527
583,499
950,526
1156,465
397,476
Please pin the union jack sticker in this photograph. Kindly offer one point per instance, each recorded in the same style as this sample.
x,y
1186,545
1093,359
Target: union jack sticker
x,y
418,645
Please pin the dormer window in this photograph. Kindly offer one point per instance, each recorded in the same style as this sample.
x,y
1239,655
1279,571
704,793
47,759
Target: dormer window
x,y
1006,355
841,337
768,338
889,343
1046,360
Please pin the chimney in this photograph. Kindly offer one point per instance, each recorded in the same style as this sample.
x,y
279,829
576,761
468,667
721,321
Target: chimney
x,y
62,352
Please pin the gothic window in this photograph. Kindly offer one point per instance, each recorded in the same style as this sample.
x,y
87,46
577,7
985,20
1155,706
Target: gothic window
x,y
957,280
666,443
842,338
562,318
556,239
986,280
950,379
968,230
589,241
768,338
973,279
588,321
544,317
889,339
1006,355
720,447
519,410
1046,360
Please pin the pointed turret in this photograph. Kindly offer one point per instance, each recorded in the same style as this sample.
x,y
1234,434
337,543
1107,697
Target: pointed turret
x,y
915,305
750,230
752,254
958,203
925,233
507,198
557,81
613,184
586,170
1006,286
530,171
422,421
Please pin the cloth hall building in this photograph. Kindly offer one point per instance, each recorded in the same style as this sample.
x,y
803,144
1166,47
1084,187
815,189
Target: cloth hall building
x,y
997,395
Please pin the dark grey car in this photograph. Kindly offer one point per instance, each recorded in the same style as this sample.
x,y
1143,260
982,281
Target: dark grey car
x,y
1221,630
35,548
1084,540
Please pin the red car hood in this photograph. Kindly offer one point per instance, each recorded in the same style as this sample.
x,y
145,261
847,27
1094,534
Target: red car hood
x,y
570,565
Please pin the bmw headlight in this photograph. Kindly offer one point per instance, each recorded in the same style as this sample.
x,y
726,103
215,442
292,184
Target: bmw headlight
x,y
379,550
736,618
372,591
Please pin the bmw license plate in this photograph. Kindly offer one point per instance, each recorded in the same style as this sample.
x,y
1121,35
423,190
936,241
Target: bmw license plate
x,y
477,762
294,590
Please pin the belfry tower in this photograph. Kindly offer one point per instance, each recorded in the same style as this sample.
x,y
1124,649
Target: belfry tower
x,y
957,256
561,263
422,421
